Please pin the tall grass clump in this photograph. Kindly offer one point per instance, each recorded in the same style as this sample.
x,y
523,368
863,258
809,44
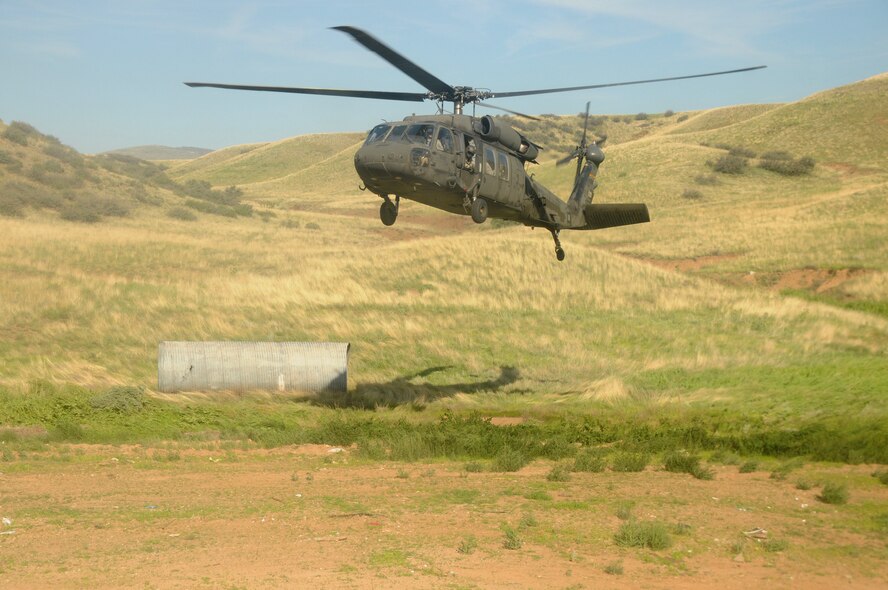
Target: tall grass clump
x,y
630,462
684,462
650,534
590,461
509,460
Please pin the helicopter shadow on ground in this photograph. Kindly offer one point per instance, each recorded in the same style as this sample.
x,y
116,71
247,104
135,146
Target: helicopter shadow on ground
x,y
405,390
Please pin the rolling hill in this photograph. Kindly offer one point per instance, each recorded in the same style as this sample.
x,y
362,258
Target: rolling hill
x,y
754,278
161,152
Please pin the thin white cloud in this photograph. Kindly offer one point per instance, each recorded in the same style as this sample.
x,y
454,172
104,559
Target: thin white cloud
x,y
719,27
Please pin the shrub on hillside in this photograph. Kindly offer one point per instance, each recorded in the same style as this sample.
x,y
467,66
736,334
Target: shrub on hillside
x,y
668,113
211,208
742,152
64,154
777,155
642,117
11,205
181,213
91,209
682,118
692,194
6,158
788,167
19,132
706,179
729,164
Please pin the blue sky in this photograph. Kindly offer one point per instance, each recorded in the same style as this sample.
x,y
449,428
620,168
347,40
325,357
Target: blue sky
x,y
103,74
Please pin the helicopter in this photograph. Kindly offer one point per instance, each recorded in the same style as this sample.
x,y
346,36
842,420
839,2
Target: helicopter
x,y
471,165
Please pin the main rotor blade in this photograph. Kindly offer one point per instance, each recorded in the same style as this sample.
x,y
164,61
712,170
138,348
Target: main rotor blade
x,y
427,80
572,88
382,95
516,113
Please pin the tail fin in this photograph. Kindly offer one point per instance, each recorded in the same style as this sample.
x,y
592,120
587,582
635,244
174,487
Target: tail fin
x,y
584,187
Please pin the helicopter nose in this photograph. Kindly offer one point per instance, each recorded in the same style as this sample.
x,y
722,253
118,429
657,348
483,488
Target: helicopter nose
x,y
374,161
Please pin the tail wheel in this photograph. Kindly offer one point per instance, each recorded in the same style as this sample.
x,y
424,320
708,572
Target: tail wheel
x,y
388,213
479,210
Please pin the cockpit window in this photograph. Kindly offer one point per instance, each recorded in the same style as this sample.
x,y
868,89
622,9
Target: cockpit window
x,y
444,143
421,134
396,133
376,134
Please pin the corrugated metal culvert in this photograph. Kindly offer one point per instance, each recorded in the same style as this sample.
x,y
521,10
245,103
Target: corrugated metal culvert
x,y
244,366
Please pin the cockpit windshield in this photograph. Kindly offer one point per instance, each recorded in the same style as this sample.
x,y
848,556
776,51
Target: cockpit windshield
x,y
377,133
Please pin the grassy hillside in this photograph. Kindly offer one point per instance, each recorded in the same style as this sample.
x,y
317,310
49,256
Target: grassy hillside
x,y
268,161
756,297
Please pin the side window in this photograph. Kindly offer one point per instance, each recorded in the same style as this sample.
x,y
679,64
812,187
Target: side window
x,y
503,160
421,134
489,161
444,143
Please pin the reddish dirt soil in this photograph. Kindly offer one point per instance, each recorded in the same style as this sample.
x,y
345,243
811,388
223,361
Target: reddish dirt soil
x,y
315,517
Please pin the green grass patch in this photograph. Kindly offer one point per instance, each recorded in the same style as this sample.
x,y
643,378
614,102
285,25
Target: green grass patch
x,y
649,534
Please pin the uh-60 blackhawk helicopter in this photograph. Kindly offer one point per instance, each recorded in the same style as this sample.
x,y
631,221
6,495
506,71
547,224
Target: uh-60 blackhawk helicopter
x,y
468,165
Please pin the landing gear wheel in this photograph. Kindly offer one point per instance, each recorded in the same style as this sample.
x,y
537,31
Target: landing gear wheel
x,y
559,251
479,210
388,213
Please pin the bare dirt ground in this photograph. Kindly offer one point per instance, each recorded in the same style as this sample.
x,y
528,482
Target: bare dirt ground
x,y
315,517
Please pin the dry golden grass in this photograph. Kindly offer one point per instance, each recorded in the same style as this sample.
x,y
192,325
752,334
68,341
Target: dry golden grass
x,y
442,307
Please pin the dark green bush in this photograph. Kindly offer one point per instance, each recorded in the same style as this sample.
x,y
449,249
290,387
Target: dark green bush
x,y
729,164
788,167
682,118
642,117
834,493
748,467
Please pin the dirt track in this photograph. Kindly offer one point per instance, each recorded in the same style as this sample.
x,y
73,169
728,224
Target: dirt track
x,y
306,517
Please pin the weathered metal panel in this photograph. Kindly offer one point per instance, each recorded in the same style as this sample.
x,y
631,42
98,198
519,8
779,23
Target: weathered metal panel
x,y
244,366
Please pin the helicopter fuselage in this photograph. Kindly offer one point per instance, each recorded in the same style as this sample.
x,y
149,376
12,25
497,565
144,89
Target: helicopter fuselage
x,y
445,161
